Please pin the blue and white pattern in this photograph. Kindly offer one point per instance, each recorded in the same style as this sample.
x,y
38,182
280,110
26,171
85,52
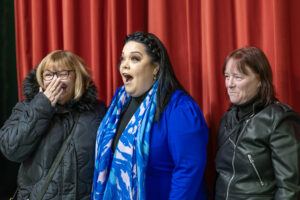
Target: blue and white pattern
x,y
121,175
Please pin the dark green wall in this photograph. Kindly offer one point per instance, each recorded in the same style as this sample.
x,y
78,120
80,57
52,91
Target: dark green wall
x,y
8,72
8,89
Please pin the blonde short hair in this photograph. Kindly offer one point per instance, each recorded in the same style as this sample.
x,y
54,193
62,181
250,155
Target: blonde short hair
x,y
72,61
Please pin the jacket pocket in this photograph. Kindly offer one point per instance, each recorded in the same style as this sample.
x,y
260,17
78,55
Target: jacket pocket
x,y
250,158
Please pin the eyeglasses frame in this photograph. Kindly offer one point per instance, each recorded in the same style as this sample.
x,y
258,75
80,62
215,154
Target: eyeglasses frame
x,y
57,74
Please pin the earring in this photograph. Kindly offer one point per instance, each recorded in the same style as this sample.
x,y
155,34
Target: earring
x,y
154,77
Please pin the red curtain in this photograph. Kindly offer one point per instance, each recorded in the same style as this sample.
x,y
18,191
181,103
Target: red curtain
x,y
198,35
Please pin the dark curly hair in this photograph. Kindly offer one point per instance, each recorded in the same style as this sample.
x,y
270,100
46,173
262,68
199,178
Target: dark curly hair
x,y
167,81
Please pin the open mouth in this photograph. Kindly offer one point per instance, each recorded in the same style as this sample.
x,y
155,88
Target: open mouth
x,y
127,78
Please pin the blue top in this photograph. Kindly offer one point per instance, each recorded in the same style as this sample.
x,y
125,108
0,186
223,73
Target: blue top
x,y
177,155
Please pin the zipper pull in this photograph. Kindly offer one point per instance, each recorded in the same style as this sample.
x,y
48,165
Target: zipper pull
x,y
255,169
250,159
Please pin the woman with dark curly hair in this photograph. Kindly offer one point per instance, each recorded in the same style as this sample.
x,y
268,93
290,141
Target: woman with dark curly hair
x,y
152,141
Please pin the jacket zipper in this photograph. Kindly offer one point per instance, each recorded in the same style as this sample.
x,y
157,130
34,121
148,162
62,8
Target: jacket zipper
x,y
255,169
233,158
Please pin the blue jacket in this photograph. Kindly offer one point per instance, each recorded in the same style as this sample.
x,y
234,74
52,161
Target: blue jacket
x,y
177,155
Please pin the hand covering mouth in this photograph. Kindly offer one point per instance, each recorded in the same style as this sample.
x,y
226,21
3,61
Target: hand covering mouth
x,y
63,87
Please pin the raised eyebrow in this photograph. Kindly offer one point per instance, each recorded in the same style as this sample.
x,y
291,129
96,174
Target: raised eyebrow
x,y
134,52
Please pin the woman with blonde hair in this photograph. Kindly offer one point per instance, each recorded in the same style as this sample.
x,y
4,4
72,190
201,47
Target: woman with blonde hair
x,y
52,132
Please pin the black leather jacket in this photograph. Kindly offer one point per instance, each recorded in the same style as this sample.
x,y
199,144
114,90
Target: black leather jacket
x,y
258,156
34,134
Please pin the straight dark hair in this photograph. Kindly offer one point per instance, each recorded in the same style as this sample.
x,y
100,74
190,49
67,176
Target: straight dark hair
x,y
167,81
256,60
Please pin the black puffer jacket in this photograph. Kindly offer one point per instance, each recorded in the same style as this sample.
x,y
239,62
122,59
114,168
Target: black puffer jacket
x,y
259,156
34,134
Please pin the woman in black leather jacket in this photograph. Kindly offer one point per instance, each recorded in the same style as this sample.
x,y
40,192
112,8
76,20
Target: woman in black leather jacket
x,y
60,89
258,139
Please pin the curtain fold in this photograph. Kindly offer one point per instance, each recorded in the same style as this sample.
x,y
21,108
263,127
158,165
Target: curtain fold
x,y
197,34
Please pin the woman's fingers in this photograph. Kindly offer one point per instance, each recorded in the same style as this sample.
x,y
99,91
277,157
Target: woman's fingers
x,y
51,84
55,85
56,97
49,89
54,90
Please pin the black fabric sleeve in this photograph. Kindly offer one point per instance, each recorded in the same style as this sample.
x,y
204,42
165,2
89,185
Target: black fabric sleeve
x,y
23,130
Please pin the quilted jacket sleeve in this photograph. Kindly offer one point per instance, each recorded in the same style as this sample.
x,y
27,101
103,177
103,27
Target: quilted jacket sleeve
x,y
21,133
285,146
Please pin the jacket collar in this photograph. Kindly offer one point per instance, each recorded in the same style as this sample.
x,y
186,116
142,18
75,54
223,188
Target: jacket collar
x,y
250,108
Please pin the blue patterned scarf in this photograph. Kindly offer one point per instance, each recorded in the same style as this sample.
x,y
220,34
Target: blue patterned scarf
x,y
121,175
